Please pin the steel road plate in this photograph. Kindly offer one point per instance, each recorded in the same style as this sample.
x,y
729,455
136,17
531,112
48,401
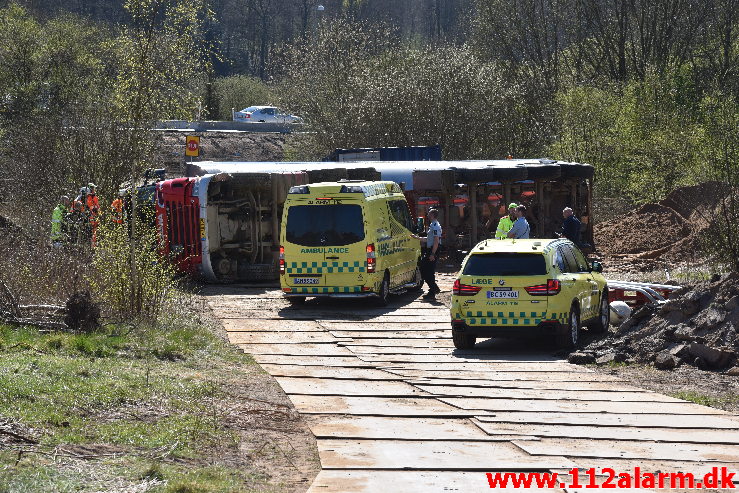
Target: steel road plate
x,y
443,455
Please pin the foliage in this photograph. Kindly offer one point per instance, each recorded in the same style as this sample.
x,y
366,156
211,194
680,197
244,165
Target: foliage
x,y
358,87
720,151
146,294
718,402
158,52
238,92
642,137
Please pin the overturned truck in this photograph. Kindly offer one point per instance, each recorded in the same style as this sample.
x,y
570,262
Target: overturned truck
x,y
225,226
221,223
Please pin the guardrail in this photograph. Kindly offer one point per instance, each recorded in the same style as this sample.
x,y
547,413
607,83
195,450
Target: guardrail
x,y
205,126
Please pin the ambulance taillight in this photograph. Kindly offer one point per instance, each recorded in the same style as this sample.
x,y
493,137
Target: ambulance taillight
x,y
371,258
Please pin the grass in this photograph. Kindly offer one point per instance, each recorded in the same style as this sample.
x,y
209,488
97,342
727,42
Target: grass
x,y
141,402
718,402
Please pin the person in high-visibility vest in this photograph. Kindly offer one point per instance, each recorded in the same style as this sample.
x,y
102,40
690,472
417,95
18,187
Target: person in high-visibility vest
x,y
118,214
58,221
506,223
93,206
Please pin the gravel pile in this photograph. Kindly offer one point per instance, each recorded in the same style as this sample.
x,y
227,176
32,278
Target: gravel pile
x,y
697,326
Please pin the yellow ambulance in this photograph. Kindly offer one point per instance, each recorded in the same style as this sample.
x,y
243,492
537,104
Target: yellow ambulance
x,y
348,239
523,287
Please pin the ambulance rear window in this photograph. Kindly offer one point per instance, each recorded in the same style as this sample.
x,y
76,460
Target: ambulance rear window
x,y
325,225
506,264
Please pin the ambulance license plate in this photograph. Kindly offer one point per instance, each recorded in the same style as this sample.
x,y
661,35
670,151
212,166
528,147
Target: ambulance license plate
x,y
306,280
503,293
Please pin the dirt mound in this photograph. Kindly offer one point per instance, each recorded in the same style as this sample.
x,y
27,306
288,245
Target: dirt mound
x,y
650,227
697,326
669,230
696,203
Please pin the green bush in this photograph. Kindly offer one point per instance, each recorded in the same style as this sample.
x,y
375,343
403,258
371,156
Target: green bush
x,y
642,137
239,92
132,278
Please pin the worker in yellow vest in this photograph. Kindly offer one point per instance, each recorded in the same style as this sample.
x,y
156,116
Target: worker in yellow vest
x,y
506,222
58,221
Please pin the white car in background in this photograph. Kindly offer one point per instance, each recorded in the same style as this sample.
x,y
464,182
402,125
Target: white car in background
x,y
264,114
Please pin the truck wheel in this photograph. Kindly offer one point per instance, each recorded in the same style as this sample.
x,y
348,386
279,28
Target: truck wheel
x,y
462,340
569,335
604,314
384,293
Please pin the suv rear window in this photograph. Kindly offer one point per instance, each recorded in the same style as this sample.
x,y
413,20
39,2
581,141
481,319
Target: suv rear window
x,y
506,264
325,225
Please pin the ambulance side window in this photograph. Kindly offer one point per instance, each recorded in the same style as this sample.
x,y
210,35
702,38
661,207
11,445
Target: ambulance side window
x,y
559,260
399,210
582,264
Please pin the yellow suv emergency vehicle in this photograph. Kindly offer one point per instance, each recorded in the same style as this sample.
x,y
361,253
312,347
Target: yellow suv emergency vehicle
x,y
520,287
347,239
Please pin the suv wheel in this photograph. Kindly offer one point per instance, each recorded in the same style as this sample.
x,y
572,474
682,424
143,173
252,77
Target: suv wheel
x,y
570,334
417,280
384,293
296,300
604,314
462,340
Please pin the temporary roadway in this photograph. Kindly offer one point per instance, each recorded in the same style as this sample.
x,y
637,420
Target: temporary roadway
x,y
395,408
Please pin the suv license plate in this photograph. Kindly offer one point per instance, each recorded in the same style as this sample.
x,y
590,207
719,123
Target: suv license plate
x,y
502,294
306,280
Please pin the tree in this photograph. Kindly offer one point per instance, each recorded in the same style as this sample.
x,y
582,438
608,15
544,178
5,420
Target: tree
x,y
358,86
159,53
721,157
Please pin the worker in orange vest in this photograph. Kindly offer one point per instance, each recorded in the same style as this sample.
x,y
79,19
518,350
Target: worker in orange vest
x,y
118,215
93,207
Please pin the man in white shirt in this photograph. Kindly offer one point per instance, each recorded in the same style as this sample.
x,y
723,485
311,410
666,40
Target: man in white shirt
x,y
520,229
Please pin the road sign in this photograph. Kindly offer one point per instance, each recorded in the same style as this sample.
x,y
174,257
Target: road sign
x,y
193,146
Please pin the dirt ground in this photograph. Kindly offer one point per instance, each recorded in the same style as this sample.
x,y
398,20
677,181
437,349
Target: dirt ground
x,y
714,389
275,440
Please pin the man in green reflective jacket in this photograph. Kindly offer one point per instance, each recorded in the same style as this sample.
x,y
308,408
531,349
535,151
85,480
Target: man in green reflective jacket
x,y
58,221
506,223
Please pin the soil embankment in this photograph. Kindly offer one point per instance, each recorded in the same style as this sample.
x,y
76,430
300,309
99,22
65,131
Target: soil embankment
x,y
224,146
669,231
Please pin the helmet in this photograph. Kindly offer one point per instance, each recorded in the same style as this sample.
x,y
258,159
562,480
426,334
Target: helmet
x,y
91,185
512,205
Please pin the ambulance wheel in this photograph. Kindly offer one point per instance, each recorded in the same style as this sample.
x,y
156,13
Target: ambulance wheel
x,y
462,340
296,300
417,280
384,293
569,334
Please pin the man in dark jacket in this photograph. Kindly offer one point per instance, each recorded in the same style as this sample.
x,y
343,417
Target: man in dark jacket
x,y
571,226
